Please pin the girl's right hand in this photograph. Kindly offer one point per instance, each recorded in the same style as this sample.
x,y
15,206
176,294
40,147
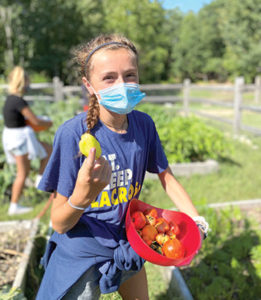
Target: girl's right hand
x,y
93,177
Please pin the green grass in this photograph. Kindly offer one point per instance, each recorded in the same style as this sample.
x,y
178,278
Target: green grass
x,y
251,119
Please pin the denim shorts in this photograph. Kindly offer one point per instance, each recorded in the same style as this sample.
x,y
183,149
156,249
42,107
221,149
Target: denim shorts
x,y
21,150
87,287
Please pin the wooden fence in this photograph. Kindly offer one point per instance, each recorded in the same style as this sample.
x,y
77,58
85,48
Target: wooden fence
x,y
184,91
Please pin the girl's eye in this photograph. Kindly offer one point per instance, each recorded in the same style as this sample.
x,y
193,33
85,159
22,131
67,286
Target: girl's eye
x,y
108,78
131,75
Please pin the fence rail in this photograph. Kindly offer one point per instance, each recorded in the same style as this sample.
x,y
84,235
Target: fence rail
x,y
61,92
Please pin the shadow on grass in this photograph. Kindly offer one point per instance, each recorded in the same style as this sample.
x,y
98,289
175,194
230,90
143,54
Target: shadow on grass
x,y
229,161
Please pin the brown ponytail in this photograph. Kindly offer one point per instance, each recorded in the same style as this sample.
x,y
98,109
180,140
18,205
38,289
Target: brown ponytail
x,y
85,53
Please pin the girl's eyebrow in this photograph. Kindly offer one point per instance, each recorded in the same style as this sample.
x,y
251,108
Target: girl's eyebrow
x,y
113,72
108,72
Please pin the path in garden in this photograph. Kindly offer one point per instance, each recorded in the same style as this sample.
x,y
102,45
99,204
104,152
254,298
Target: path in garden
x,y
252,208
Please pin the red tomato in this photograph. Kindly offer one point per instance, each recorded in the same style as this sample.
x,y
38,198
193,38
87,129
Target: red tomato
x,y
147,240
173,249
149,233
138,219
162,225
174,228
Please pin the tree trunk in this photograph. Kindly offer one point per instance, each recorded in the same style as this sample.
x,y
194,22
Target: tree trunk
x,y
6,18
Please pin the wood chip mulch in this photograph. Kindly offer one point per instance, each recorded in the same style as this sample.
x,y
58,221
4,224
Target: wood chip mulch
x,y
12,244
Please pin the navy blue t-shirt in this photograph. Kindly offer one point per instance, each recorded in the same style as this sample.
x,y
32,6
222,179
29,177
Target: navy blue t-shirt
x,y
130,155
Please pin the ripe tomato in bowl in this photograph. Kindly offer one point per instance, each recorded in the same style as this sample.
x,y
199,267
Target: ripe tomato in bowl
x,y
188,235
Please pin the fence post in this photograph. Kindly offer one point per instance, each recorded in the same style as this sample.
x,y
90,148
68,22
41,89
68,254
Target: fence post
x,y
186,90
57,89
257,88
239,82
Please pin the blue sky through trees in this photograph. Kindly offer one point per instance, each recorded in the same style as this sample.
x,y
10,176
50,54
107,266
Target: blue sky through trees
x,y
185,5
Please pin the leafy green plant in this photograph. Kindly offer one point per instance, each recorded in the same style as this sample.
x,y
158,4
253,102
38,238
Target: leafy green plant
x,y
187,139
227,266
11,294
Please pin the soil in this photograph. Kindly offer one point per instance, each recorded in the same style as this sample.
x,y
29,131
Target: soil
x,y
12,244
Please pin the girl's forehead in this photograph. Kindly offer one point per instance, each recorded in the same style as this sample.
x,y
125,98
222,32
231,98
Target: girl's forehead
x,y
113,58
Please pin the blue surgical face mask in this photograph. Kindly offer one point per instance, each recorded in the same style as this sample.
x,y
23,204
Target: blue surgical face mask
x,y
121,98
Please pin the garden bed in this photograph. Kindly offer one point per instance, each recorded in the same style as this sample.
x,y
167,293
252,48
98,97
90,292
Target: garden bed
x,y
16,251
232,263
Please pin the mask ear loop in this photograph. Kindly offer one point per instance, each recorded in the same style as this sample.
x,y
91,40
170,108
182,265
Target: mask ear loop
x,y
94,91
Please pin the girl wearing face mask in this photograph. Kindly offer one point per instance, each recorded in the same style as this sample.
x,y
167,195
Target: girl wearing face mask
x,y
89,254
19,141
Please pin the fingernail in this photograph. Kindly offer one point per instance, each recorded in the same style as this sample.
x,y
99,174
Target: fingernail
x,y
92,150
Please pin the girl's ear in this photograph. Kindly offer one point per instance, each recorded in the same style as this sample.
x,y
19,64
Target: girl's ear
x,y
87,85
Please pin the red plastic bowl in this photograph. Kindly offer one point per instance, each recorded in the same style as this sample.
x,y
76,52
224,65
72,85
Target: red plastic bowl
x,y
189,235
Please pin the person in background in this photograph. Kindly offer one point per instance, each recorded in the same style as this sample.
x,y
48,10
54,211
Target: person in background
x,y
19,140
89,254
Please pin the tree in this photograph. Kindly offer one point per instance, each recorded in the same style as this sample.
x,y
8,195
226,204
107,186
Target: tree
x,y
170,31
211,40
188,51
241,32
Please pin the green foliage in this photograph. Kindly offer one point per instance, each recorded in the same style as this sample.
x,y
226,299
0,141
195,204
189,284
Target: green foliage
x,y
39,77
190,139
219,42
11,294
241,33
187,139
227,265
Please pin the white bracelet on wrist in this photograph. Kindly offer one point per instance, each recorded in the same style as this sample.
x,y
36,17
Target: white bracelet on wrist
x,y
202,225
74,206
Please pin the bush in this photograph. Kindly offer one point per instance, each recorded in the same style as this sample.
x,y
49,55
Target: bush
x,y
228,264
187,139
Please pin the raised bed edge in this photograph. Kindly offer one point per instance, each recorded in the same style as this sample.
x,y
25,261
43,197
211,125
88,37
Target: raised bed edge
x,y
20,278
188,169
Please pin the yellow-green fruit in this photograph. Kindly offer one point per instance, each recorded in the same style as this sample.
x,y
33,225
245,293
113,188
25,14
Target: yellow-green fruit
x,y
87,142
